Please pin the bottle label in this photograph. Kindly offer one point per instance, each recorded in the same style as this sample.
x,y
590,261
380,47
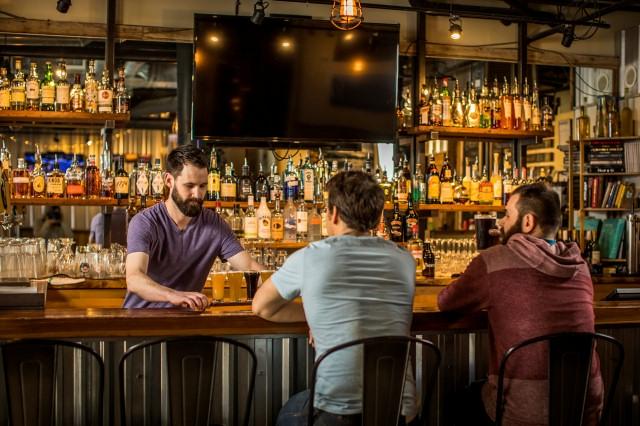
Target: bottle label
x,y
122,185
276,193
474,190
264,227
436,113
157,184
507,109
308,179
33,89
20,179
105,100
446,109
213,182
250,227
517,109
396,229
301,221
91,96
55,185
18,95
402,197
508,187
38,184
535,117
527,110
246,188
473,117
277,228
5,98
228,190
48,94
411,222
62,94
497,189
595,257
142,184
433,187
75,189
446,192
485,194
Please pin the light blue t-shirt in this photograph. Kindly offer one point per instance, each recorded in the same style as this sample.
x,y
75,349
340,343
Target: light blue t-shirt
x,y
351,288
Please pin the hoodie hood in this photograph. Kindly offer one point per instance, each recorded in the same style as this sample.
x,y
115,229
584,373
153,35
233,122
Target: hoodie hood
x,y
557,260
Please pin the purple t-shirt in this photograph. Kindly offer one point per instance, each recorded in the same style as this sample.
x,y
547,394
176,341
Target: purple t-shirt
x,y
180,260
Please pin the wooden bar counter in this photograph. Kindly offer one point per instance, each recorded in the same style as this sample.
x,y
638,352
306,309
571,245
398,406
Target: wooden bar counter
x,y
91,310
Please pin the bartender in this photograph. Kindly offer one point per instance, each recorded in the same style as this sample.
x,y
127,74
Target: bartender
x,y
172,245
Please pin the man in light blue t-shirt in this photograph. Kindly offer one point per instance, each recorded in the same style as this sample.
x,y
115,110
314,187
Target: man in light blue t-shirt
x,y
352,286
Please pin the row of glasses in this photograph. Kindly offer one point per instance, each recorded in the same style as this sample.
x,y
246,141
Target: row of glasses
x,y
90,261
452,255
242,285
22,258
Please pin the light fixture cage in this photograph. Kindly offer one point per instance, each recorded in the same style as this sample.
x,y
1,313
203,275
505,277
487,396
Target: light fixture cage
x,y
346,14
455,27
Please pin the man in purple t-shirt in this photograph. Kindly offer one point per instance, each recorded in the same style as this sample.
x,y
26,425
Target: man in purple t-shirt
x,y
172,245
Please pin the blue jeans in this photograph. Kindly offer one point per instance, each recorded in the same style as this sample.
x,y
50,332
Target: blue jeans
x,y
295,411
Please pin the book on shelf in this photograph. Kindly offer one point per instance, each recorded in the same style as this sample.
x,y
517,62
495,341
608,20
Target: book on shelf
x,y
632,157
611,237
628,197
605,192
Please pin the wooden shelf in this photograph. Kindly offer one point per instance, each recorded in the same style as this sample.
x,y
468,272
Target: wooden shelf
x,y
278,245
64,202
613,174
613,260
60,119
618,139
611,209
472,132
460,208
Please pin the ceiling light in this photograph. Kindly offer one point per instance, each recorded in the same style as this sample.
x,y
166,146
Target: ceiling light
x,y
258,11
63,6
346,14
455,27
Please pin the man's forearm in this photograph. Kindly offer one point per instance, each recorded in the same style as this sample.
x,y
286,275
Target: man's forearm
x,y
147,288
289,312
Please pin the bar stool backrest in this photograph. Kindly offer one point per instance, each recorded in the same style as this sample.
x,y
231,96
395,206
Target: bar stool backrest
x,y
384,364
569,368
191,369
30,368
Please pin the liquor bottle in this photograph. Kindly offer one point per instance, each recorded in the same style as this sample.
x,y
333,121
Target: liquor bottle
x,y
526,107
433,182
472,110
213,177
400,188
105,93
38,177
415,246
290,221
496,180
516,122
386,188
322,176
77,95
277,222
250,221
507,181
406,171
367,168
583,123
291,182
324,216
308,181
121,96
485,190
410,220
48,90
74,178
121,181
626,116
222,213
62,89
507,106
18,88
613,118
262,184
596,261
382,231
20,181
485,106
157,180
429,261
466,180
334,169
302,222
460,192
474,188
436,104
419,186
446,182
55,181
547,116
264,219
515,183
275,184
237,221
446,103
457,109
132,185
92,182
315,224
5,158
228,184
395,224
142,183
496,106
536,115
91,88
5,90
32,87
423,106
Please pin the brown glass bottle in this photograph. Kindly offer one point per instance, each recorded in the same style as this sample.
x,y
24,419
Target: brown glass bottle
x,y
20,181
55,181
429,261
92,181
121,182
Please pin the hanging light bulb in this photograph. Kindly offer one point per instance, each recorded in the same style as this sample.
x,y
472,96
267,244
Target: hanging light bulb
x,y
346,14
455,27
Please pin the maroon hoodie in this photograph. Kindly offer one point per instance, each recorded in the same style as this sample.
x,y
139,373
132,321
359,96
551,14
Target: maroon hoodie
x,y
529,288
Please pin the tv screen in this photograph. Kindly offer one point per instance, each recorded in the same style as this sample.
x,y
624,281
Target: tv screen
x,y
293,80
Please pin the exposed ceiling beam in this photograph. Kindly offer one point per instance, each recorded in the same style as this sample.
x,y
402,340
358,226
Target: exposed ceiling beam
x,y
588,4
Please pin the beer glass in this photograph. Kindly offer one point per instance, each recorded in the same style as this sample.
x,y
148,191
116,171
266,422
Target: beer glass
x,y
251,278
484,224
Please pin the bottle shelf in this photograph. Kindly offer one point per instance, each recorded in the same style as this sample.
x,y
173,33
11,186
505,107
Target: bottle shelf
x,y
65,202
278,245
613,174
459,208
613,260
611,209
473,132
614,139
60,119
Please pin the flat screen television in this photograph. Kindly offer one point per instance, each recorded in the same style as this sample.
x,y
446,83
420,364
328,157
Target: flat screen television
x,y
293,80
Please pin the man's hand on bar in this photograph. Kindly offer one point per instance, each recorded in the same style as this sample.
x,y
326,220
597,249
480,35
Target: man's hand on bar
x,y
189,299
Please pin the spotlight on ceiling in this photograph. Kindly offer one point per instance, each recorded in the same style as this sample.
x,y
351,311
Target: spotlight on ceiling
x,y
568,35
455,27
63,6
258,11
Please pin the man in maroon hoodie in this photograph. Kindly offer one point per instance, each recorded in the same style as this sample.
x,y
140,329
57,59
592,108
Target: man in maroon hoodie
x,y
530,285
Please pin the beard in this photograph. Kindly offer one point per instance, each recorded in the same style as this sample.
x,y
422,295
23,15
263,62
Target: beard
x,y
516,228
190,207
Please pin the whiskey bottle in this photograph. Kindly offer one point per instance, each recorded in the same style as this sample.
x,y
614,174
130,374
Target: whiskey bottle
x,y
62,89
74,178
38,177
457,111
436,105
429,261
496,106
92,179
228,184
485,106
547,116
55,181
496,180
33,88
308,181
460,192
419,186
466,180
77,95
400,188
121,181
424,105
48,90
395,224
20,181
433,182
410,220
157,180
105,93
250,221
485,190
446,182
121,96
262,184
264,220
382,231
277,222
414,246
526,107
142,183
18,88
446,103
302,222
507,107
91,88
472,110
517,123
474,188
507,182
536,115
245,185
213,177
5,90
386,187
584,124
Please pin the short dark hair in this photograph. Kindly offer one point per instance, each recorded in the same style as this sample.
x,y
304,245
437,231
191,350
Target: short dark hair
x,y
185,154
358,198
543,202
